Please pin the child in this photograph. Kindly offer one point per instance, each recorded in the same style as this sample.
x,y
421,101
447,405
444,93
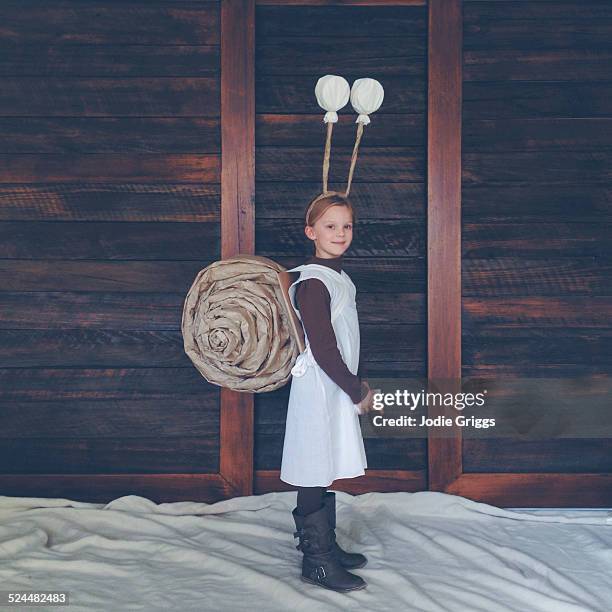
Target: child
x,y
323,440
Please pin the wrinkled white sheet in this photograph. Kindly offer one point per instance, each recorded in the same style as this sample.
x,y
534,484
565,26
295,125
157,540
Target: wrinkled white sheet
x,y
427,551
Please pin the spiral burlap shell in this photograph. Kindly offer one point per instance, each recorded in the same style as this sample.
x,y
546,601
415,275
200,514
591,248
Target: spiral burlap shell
x,y
235,328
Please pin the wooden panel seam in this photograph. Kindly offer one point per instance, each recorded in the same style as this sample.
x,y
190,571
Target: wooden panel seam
x,y
237,213
444,225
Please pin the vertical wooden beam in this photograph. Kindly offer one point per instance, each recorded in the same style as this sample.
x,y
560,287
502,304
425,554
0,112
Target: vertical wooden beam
x,y
237,212
444,223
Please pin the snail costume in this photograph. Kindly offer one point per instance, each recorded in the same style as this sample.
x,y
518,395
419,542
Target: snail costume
x,y
243,329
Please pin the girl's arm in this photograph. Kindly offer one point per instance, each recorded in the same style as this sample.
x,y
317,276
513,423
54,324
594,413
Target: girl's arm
x,y
314,304
361,369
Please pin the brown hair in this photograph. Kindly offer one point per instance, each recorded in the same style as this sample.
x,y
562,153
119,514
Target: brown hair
x,y
322,202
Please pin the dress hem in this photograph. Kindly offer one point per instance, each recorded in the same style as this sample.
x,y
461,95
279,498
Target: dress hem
x,y
362,473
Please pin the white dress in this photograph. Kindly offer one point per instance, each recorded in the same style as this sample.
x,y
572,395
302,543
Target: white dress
x,y
323,439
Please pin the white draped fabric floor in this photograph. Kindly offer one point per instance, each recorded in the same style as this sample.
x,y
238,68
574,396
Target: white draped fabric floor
x,y
427,551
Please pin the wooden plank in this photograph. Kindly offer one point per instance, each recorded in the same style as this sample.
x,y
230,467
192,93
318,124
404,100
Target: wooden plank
x,y
396,453
528,99
102,488
590,167
110,202
444,222
385,481
110,348
74,419
111,313
398,342
63,384
109,97
490,344
390,309
584,65
376,164
565,455
99,240
98,276
107,60
326,54
341,20
516,370
110,167
100,23
529,202
552,134
524,276
237,211
546,239
547,311
535,489
118,135
93,201
184,454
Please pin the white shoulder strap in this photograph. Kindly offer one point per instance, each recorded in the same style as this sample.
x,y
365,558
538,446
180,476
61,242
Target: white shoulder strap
x,y
337,289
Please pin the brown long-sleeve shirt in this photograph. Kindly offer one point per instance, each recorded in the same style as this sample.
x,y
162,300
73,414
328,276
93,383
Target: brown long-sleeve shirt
x,y
314,303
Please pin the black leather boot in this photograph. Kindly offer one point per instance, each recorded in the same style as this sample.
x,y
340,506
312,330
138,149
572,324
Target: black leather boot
x,y
319,565
346,559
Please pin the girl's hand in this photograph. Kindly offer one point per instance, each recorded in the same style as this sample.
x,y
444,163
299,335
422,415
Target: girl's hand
x,y
365,405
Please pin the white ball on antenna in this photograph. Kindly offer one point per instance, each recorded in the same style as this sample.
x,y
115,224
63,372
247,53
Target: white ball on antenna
x,y
332,94
366,97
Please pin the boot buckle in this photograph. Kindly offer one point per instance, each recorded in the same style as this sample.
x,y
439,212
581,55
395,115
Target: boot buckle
x,y
318,573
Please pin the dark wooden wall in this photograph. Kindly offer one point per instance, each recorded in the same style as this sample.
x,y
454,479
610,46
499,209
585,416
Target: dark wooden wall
x,y
109,206
295,45
537,213
110,203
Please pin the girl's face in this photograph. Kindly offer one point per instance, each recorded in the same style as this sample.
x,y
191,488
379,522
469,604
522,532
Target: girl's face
x,y
332,232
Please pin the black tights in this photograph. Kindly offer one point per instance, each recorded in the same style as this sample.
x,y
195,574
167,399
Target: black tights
x,y
309,499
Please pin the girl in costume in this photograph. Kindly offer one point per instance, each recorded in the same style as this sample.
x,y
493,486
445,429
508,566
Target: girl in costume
x,y
323,440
